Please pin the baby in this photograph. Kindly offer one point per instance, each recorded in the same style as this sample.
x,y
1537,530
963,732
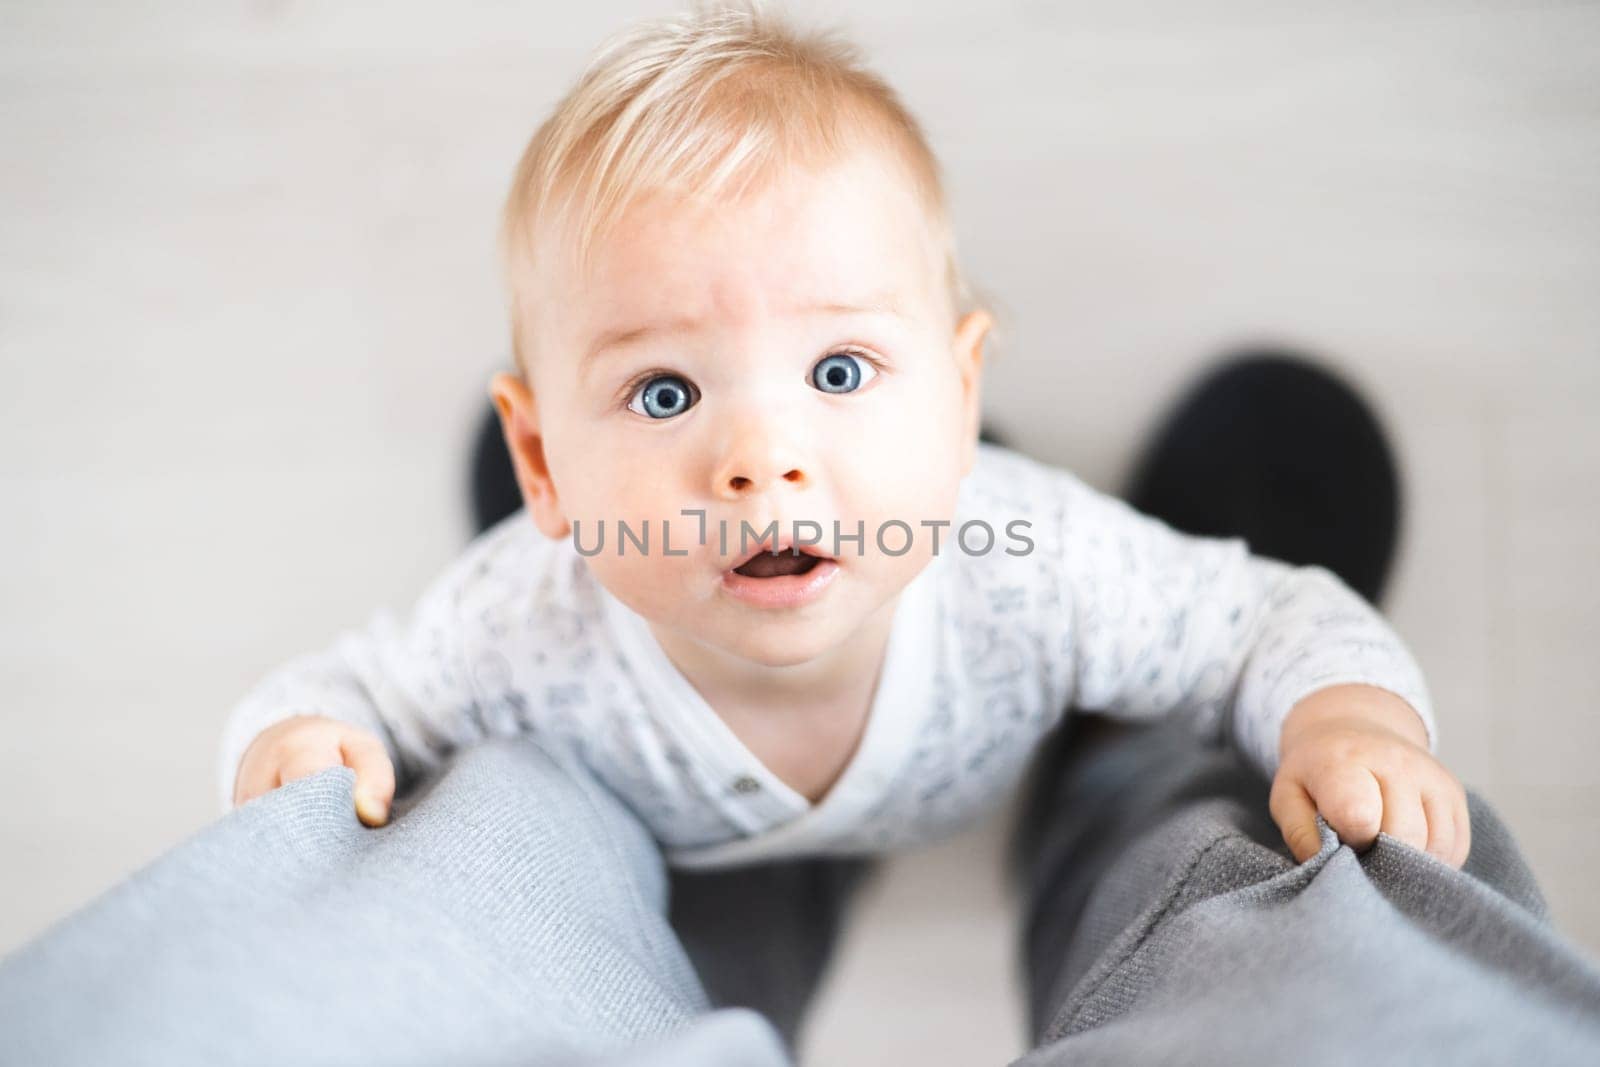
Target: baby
x,y
768,586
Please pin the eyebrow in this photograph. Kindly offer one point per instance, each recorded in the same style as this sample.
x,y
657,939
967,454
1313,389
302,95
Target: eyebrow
x,y
884,304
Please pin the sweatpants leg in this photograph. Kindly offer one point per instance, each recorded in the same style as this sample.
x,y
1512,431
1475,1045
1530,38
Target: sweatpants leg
x,y
1166,923
512,912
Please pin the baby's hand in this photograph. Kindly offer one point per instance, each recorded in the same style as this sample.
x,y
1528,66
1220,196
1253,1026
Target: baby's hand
x,y
1358,755
306,744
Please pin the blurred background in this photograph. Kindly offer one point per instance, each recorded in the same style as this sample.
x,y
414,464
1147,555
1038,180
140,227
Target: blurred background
x,y
249,309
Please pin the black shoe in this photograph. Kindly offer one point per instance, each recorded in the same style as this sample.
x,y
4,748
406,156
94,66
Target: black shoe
x,y
1270,447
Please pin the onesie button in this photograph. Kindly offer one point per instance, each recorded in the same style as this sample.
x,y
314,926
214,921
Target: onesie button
x,y
746,784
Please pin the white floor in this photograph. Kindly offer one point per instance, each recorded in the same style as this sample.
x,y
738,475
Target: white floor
x,y
248,308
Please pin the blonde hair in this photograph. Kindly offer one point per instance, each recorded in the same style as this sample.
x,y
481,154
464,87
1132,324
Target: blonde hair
x,y
704,103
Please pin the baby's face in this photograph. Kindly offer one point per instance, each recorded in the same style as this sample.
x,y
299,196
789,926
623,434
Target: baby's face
x,y
787,357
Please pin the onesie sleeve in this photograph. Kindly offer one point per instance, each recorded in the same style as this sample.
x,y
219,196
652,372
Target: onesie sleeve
x,y
405,679
1166,622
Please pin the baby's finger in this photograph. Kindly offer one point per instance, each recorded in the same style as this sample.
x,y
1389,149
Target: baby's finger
x,y
256,776
304,762
1350,799
366,755
1403,817
1441,827
1462,821
1296,817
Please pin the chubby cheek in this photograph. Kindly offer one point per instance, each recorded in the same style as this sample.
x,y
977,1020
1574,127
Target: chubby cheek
x,y
906,463
652,582
654,586
597,478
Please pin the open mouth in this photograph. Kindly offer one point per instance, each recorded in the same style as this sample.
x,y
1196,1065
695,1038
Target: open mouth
x,y
785,577
778,564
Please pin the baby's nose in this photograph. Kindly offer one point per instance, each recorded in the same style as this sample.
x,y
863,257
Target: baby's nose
x,y
736,485
755,463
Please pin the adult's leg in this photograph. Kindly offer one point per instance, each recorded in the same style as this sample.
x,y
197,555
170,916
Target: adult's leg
x,y
1167,924
1165,920
513,911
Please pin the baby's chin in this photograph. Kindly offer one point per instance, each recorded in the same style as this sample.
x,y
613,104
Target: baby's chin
x,y
761,637
780,643
789,639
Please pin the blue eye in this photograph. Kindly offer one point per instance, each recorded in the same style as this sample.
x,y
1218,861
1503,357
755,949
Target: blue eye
x,y
842,372
662,397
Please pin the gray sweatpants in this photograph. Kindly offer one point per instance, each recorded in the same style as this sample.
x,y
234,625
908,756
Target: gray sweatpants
x,y
513,912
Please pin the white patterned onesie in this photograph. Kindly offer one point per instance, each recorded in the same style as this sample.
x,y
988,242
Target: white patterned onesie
x,y
1112,611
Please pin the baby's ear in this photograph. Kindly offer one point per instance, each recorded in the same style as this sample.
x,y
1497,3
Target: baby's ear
x,y
519,422
971,332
